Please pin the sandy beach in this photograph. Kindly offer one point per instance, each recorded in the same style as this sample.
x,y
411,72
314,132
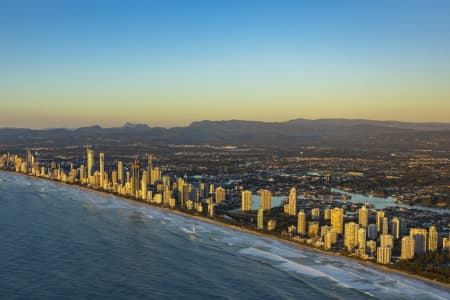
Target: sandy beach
x,y
237,228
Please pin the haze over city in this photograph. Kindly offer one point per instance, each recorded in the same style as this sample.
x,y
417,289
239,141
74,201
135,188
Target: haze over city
x,y
168,63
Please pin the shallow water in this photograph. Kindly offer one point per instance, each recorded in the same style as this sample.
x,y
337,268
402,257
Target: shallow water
x,y
57,242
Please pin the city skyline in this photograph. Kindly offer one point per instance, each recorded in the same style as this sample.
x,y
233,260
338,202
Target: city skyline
x,y
166,64
343,231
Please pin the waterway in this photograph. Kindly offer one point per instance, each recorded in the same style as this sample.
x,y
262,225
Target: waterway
x,y
383,202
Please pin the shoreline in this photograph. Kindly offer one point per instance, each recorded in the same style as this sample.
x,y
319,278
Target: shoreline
x,y
295,245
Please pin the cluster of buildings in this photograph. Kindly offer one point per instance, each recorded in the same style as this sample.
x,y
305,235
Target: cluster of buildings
x,y
327,229
368,234
143,182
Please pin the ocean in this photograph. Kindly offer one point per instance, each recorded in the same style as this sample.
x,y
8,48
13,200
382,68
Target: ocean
x,y
59,242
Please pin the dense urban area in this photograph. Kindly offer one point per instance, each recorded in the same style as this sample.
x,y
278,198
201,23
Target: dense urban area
x,y
388,207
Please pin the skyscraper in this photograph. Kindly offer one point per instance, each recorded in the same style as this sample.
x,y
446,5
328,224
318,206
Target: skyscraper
x,y
246,200
135,172
166,195
420,239
82,174
301,222
149,168
395,228
403,227
266,199
144,181
362,234
293,202
194,194
363,216
29,158
155,176
372,232
90,163
407,248
337,220
260,219
102,169
351,235
380,216
114,177
446,244
327,241
210,203
432,238
384,255
385,227
186,191
220,194
120,172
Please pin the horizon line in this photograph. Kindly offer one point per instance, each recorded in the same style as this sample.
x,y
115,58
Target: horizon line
x,y
225,120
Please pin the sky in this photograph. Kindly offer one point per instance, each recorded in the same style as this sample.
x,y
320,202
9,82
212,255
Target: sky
x,y
168,63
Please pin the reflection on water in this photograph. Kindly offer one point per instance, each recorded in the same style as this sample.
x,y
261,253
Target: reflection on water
x,y
382,202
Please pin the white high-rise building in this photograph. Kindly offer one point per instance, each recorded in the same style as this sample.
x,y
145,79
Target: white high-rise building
x,y
351,235
328,241
120,172
407,248
82,174
337,219
155,175
363,216
384,255
220,194
313,229
260,219
246,199
445,244
301,222
293,202
362,234
380,216
90,163
144,181
266,199
114,177
432,238
385,227
102,169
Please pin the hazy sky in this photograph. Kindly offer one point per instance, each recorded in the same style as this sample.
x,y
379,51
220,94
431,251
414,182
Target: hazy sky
x,y
76,63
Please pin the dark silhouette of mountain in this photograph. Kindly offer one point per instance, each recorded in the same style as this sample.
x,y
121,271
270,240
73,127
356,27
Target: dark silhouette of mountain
x,y
340,133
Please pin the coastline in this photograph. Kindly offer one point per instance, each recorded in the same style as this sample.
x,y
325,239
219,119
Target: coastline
x,y
245,230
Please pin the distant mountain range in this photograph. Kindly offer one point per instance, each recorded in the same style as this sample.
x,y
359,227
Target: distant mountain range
x,y
339,133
